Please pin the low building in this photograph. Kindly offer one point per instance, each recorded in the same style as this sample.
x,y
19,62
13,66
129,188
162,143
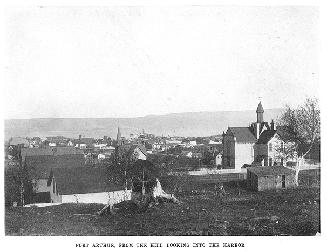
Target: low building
x,y
187,154
218,159
19,142
40,169
134,152
214,146
270,178
88,185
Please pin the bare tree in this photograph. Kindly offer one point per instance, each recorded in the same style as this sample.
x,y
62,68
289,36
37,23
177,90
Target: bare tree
x,y
300,130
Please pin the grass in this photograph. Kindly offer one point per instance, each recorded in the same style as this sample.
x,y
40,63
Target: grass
x,y
201,212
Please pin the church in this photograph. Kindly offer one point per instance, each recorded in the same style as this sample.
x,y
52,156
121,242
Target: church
x,y
257,144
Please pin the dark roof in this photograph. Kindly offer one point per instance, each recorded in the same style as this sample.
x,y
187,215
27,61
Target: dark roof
x,y
87,141
266,136
242,134
270,170
83,180
53,151
57,139
18,141
129,148
40,166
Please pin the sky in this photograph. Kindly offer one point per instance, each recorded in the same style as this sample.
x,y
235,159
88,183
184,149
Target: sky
x,y
86,62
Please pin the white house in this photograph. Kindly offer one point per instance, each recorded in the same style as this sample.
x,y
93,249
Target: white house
x,y
101,156
81,146
243,146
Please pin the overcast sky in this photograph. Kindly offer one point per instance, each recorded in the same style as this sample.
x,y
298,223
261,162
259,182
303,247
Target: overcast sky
x,y
135,61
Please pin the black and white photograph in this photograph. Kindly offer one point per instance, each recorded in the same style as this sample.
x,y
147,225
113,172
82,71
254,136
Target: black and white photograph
x,y
162,120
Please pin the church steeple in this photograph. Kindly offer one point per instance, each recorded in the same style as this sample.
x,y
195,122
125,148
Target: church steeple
x,y
118,137
260,112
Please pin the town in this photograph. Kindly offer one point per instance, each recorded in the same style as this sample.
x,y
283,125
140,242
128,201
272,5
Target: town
x,y
243,181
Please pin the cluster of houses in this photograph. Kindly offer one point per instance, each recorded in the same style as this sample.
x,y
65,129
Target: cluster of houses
x,y
60,175
60,172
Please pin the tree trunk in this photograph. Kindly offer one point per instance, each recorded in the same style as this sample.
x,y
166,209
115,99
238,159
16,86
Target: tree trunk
x,y
299,162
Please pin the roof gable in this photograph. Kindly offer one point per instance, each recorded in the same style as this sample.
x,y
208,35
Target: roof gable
x,y
266,136
242,134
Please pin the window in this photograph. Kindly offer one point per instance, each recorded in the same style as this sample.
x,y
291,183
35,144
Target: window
x,y
270,147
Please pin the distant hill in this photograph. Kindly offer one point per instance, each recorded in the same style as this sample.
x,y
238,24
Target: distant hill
x,y
174,124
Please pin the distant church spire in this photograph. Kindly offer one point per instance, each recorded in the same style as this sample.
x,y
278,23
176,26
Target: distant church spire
x,y
118,137
260,112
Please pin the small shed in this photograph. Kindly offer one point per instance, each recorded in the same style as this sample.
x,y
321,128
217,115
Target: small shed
x,y
270,177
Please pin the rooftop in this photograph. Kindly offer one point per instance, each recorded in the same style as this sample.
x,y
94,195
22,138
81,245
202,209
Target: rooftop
x,y
242,134
266,136
40,166
53,151
270,170
83,180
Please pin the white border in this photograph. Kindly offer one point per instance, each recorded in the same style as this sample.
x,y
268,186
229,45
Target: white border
x,y
251,243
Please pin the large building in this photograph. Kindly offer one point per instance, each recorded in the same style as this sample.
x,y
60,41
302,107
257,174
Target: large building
x,y
258,144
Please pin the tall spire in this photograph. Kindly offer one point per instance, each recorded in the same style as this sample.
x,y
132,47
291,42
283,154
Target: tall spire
x,y
118,137
260,112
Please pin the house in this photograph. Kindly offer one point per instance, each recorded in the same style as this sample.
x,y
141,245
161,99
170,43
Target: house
x,y
101,156
18,142
197,155
81,146
270,177
135,152
214,146
258,142
267,150
238,143
40,169
88,185
188,154
218,159
100,146
84,143
104,155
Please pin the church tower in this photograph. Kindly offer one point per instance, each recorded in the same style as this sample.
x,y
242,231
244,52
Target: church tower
x,y
260,112
258,126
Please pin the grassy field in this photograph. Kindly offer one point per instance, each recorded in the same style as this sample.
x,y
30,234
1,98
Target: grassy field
x,y
200,212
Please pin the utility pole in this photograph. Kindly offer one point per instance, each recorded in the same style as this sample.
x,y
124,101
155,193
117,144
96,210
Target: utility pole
x,y
21,171
143,187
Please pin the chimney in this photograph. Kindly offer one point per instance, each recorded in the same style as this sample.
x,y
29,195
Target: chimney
x,y
272,125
